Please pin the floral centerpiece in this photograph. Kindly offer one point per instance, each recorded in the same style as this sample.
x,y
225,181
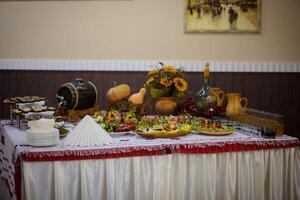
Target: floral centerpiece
x,y
166,81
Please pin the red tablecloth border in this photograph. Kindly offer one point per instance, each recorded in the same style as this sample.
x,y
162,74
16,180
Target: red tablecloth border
x,y
214,147
232,148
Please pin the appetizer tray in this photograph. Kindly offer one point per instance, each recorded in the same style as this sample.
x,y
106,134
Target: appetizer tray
x,y
27,99
116,134
163,134
212,127
215,133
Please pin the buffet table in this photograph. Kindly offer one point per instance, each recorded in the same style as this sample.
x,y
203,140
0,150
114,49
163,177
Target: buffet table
x,y
237,166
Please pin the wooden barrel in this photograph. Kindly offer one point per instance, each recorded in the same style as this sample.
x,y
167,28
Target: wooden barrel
x,y
77,95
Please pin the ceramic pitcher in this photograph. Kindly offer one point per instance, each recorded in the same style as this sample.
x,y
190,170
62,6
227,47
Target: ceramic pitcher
x,y
220,95
236,104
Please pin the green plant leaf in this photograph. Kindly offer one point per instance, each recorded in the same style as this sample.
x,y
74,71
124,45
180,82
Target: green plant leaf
x,y
179,94
170,92
155,93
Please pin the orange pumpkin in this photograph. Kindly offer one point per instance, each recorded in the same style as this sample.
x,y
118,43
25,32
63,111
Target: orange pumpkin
x,y
118,93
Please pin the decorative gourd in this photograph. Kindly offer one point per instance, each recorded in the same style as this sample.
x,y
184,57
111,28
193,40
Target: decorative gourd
x,y
137,98
118,93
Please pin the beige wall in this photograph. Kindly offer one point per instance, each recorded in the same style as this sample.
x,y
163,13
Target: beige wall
x,y
139,30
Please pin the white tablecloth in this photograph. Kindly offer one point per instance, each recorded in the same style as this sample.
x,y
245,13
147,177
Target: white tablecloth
x,y
267,174
191,167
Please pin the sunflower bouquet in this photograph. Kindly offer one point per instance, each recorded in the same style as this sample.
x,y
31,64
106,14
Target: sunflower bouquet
x,y
166,81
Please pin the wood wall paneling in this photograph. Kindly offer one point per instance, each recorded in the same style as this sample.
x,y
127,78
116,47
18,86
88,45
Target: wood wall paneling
x,y
274,92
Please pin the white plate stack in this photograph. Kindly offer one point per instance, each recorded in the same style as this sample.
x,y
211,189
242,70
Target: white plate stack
x,y
42,133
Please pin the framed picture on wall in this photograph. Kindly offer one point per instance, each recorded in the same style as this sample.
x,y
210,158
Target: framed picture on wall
x,y
222,16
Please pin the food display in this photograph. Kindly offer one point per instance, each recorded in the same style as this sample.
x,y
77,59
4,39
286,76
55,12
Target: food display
x,y
210,127
28,104
114,121
38,108
25,104
162,127
28,108
35,116
128,112
25,109
189,107
16,111
34,108
159,126
35,112
26,99
63,132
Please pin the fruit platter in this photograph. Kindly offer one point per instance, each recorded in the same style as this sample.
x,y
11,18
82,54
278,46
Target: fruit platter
x,y
162,127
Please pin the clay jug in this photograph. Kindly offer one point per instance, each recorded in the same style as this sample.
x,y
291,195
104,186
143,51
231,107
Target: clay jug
x,y
165,105
236,104
220,95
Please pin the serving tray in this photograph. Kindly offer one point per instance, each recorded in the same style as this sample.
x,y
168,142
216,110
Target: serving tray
x,y
160,134
215,133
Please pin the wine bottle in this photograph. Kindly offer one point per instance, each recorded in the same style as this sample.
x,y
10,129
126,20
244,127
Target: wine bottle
x,y
205,99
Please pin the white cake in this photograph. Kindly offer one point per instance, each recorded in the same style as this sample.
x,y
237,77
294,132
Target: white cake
x,y
42,133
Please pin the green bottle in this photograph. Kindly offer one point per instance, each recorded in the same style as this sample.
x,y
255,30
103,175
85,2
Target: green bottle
x,y
205,99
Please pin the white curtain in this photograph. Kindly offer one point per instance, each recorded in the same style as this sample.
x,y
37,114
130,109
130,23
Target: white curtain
x,y
267,174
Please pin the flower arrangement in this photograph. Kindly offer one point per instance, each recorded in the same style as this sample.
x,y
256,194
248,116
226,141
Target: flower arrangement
x,y
166,81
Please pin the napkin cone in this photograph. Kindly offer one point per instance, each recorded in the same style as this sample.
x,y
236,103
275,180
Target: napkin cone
x,y
87,133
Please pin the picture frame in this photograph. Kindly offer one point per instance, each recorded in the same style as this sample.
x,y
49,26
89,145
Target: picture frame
x,y
232,16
